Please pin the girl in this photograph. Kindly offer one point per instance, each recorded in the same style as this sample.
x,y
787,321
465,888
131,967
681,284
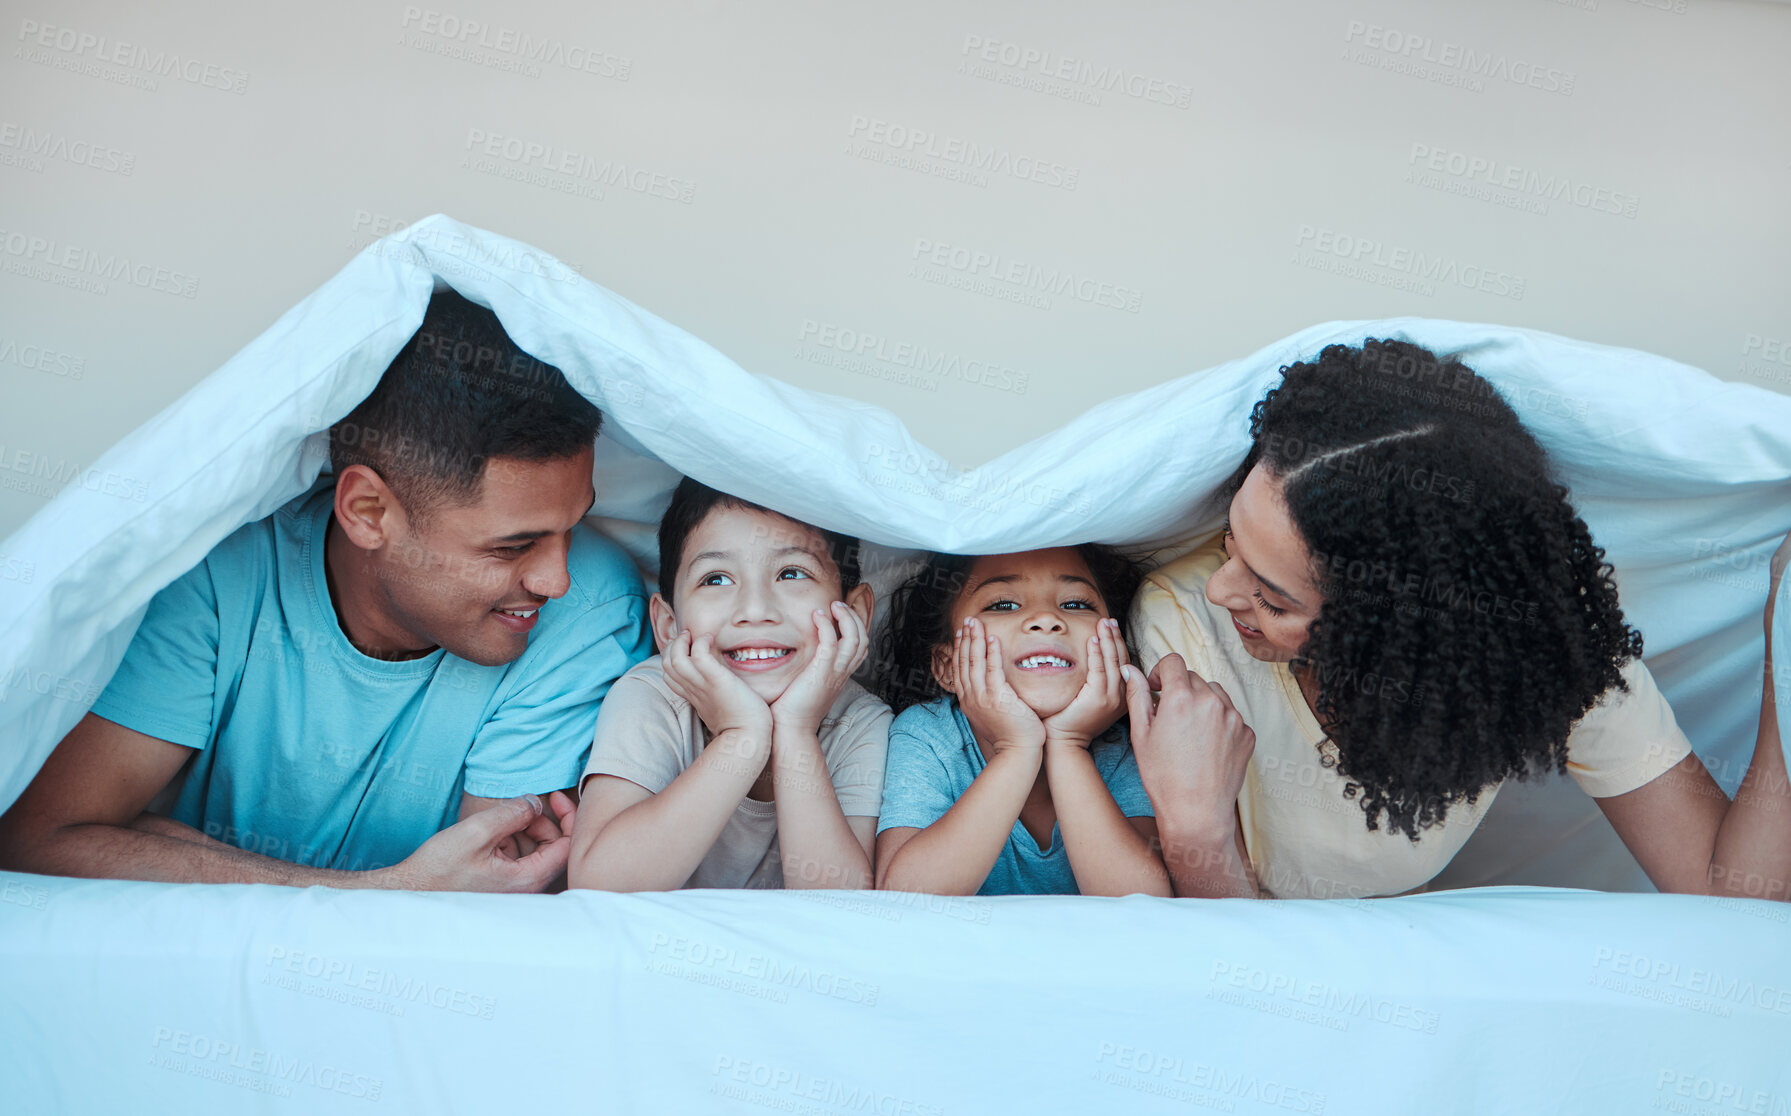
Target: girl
x,y
1013,774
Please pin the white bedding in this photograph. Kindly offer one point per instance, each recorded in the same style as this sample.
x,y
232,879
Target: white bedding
x,y
1683,478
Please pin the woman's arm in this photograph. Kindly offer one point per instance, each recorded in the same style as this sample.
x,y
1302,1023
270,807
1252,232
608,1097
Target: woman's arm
x,y
1192,750
1688,836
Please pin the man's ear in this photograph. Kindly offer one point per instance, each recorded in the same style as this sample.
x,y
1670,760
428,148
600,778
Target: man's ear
x,y
367,509
942,668
665,624
862,599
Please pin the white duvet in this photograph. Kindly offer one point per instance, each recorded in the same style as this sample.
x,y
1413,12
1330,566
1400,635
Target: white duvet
x,y
1683,479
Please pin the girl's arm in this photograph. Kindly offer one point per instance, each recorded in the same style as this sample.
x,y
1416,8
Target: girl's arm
x,y
627,838
955,854
1109,853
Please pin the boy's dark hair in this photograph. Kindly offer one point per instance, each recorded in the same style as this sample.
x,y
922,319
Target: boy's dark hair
x,y
692,500
460,393
920,617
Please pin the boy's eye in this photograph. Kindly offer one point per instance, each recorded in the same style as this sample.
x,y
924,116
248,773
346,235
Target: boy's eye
x,y
792,573
715,579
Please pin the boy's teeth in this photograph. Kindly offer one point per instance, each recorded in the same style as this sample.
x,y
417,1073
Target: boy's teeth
x,y
1032,661
524,615
746,654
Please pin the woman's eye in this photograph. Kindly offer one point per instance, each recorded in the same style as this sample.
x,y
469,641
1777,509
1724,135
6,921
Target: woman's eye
x,y
715,579
792,573
1273,611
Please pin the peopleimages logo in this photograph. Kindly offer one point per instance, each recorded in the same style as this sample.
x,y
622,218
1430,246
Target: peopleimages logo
x,y
1365,253
923,145
1412,53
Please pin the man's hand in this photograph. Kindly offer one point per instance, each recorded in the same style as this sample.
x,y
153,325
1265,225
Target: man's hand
x,y
478,853
995,711
720,697
838,652
1102,697
1193,748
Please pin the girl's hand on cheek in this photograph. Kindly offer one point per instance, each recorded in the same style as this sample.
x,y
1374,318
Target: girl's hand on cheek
x,y
838,652
995,711
1103,695
721,698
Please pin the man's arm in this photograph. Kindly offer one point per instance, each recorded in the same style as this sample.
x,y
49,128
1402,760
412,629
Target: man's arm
x,y
83,816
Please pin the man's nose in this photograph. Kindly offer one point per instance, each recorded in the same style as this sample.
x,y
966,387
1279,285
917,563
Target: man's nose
x,y
547,576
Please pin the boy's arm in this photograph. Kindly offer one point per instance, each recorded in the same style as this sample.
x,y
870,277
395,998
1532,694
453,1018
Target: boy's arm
x,y
83,816
1109,853
628,838
820,847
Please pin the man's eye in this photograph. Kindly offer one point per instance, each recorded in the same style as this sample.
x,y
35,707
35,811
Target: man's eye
x,y
792,573
716,579
514,551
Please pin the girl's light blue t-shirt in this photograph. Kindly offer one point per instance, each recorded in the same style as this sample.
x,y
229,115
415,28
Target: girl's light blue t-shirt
x,y
933,756
311,752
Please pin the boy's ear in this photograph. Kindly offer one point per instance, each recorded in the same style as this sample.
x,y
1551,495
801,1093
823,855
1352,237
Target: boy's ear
x,y
665,623
862,599
942,668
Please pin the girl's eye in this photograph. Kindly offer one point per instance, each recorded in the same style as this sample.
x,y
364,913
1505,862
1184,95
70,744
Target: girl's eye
x,y
792,573
1080,603
1001,606
1273,611
715,579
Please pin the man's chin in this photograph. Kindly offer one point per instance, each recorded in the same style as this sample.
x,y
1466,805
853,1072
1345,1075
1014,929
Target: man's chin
x,y
490,653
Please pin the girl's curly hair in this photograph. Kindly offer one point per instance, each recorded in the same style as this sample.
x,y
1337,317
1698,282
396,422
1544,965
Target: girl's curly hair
x,y
1468,620
920,617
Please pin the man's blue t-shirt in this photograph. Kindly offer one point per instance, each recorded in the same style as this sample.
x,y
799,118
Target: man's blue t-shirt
x,y
310,751
933,756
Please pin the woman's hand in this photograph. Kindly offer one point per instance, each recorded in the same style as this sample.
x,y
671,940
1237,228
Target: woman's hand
x,y
995,711
1193,748
1102,697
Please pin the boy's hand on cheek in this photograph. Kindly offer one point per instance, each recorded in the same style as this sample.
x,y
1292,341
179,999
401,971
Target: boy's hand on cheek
x,y
995,712
721,698
840,645
1103,695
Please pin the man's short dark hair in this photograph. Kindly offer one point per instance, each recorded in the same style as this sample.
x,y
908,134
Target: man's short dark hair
x,y
693,500
460,393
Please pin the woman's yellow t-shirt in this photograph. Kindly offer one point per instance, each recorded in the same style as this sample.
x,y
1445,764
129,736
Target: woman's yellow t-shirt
x,y
1304,838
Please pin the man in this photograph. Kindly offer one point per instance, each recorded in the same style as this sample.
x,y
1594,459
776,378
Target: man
x,y
379,684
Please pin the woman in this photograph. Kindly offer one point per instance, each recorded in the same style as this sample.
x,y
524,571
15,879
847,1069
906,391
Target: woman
x,y
1403,612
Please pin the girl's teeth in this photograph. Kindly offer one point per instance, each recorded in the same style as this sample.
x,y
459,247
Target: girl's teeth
x,y
1033,661
751,653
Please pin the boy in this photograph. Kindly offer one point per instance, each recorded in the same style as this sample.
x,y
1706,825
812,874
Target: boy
x,y
743,755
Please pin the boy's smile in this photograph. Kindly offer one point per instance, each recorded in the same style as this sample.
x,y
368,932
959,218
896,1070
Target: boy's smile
x,y
752,579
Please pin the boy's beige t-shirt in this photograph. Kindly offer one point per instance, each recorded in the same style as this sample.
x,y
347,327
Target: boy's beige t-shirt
x,y
1304,838
648,735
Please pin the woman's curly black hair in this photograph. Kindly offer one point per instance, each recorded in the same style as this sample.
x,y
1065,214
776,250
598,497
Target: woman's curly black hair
x,y
1468,620
920,617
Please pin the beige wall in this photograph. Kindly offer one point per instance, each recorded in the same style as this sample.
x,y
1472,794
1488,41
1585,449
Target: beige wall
x,y
788,180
